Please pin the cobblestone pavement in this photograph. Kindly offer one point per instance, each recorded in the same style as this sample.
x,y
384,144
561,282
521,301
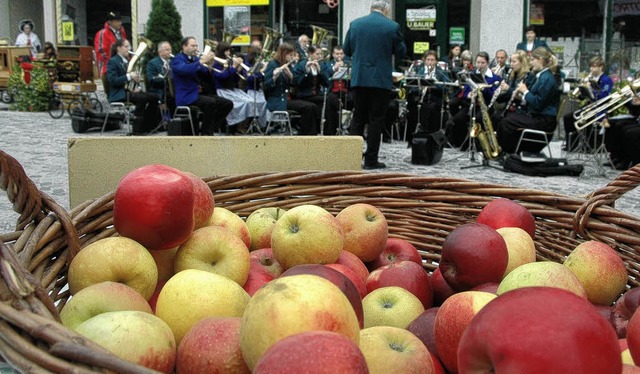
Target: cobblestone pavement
x,y
39,143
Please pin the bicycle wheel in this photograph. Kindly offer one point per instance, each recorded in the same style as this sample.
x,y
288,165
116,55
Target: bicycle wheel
x,y
96,105
6,97
75,105
56,108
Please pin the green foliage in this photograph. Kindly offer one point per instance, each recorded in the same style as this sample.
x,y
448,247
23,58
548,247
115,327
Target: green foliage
x,y
164,23
33,97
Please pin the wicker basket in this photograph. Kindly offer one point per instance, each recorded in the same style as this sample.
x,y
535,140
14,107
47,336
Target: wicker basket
x,y
423,210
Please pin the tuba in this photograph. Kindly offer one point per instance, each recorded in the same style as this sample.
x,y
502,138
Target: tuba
x,y
228,37
135,62
270,36
321,38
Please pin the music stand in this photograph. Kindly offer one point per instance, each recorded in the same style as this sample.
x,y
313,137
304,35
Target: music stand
x,y
341,75
255,125
422,84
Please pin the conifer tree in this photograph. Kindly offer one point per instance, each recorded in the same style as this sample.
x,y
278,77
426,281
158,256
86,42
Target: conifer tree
x,y
164,23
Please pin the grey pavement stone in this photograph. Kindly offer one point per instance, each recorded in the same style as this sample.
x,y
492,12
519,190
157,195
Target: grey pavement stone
x,y
39,143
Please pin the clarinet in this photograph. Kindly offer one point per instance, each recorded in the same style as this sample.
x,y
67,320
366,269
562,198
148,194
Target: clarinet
x,y
514,95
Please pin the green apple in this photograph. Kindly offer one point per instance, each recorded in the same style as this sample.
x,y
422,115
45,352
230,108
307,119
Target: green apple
x,y
260,224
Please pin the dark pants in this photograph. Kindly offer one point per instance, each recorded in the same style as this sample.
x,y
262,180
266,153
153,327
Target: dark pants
x,y
430,113
309,120
511,126
330,111
214,112
370,108
622,139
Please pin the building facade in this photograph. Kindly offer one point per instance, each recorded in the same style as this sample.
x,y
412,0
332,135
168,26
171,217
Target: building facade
x,y
575,29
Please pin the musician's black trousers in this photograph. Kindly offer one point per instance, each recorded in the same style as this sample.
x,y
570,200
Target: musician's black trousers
x,y
370,108
511,126
147,112
330,112
214,113
622,139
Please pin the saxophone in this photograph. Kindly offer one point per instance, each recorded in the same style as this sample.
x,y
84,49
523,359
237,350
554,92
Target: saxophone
x,y
486,136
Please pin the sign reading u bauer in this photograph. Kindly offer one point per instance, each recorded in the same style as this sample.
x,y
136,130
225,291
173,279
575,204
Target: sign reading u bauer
x,y
421,19
212,3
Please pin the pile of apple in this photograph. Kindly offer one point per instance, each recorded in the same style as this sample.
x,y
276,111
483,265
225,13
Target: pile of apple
x,y
190,288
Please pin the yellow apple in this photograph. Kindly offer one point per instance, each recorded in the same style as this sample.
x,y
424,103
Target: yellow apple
x,y
260,224
520,247
600,270
306,234
542,274
289,305
226,218
134,336
116,259
193,294
391,306
217,250
100,298
365,230
389,349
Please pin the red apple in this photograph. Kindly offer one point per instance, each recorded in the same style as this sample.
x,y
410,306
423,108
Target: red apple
x,y
422,327
473,254
263,268
491,287
212,346
334,276
396,250
451,321
539,330
365,230
406,274
155,206
313,352
352,261
154,297
633,336
360,285
623,309
204,202
504,212
441,289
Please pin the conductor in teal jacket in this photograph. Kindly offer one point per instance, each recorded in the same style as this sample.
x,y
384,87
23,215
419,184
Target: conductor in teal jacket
x,y
371,41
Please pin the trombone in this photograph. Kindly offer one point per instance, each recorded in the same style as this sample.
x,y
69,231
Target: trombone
x,y
597,110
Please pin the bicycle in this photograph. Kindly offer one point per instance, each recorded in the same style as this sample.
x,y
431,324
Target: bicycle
x,y
81,101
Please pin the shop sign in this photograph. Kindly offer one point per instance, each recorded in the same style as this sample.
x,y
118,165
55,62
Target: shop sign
x,y
68,34
212,3
456,35
420,47
626,7
421,19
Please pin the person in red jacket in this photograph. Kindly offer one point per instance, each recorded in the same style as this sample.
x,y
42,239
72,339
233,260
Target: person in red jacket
x,y
104,39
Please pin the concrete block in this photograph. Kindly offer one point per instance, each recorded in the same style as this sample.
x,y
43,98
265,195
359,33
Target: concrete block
x,y
96,165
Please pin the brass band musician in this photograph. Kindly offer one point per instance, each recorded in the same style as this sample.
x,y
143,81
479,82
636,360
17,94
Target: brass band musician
x,y
431,97
312,82
540,100
278,79
519,72
597,86
147,113
340,83
159,74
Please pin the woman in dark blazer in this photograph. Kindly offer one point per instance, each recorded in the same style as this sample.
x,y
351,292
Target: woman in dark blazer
x,y
278,78
540,101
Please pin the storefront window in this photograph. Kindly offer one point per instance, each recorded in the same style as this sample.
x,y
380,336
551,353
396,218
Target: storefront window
x,y
243,23
575,30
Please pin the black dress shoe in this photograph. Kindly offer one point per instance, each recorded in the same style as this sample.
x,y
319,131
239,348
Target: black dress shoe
x,y
377,165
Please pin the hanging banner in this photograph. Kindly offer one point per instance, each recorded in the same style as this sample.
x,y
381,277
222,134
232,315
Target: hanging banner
x,y
421,19
212,3
626,7
536,14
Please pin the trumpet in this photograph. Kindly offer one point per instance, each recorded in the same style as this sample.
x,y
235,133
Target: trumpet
x,y
598,110
583,86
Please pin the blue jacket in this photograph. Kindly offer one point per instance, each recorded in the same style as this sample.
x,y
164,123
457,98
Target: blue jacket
x,y
306,85
370,42
255,79
117,77
185,78
603,88
276,91
225,78
543,96
156,76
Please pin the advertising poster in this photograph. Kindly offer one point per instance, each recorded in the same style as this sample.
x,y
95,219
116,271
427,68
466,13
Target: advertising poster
x,y
421,19
237,21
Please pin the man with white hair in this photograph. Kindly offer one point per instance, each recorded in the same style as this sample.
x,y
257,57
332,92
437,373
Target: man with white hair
x,y
371,41
303,46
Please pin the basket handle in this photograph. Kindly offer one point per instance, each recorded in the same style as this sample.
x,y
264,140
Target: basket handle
x,y
31,203
607,195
